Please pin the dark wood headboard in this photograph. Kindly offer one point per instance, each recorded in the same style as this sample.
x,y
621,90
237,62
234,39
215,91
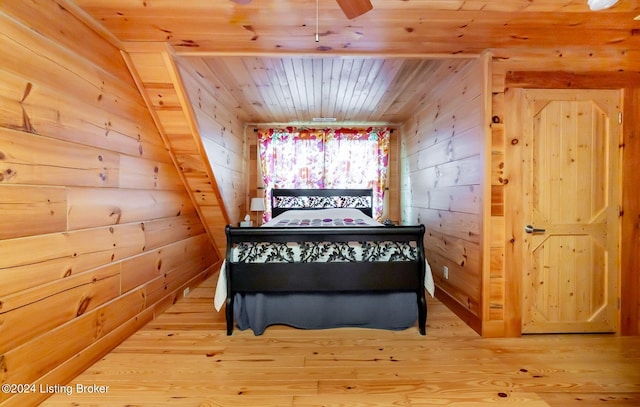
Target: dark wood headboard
x,y
283,200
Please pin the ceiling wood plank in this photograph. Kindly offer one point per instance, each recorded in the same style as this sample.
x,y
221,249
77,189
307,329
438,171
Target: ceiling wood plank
x,y
264,59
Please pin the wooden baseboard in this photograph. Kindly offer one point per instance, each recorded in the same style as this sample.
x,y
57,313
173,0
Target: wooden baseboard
x,y
469,318
486,329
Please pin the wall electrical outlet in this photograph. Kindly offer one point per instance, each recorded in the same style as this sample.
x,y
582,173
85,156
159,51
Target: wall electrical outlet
x,y
186,292
445,272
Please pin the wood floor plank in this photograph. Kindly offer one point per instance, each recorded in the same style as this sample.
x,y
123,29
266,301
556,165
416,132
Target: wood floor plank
x,y
244,400
185,358
592,399
342,400
477,399
158,398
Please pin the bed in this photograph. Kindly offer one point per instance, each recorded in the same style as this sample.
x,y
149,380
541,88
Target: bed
x,y
323,262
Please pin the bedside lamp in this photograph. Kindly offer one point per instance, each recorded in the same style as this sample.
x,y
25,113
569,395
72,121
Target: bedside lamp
x,y
257,205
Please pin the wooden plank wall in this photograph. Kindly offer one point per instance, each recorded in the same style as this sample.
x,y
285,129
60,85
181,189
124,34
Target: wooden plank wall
x,y
569,71
488,297
223,138
443,181
97,232
153,66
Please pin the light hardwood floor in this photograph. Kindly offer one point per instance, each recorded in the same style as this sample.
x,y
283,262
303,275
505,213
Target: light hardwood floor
x,y
184,358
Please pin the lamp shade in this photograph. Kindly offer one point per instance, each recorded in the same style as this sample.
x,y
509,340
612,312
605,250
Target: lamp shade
x,y
601,4
257,204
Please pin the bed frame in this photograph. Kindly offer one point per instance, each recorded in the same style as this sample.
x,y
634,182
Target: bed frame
x,y
283,200
318,277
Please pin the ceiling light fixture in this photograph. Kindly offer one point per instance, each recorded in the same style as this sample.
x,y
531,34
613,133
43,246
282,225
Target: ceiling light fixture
x,y
596,5
324,119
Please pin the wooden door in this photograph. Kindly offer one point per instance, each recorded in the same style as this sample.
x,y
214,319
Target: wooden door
x,y
571,206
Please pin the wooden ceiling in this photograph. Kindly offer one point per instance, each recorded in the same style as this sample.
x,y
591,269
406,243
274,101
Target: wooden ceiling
x,y
264,55
372,90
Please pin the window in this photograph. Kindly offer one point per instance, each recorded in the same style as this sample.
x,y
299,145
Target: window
x,y
325,158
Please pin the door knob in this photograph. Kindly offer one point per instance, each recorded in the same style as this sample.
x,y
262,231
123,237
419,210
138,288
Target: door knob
x,y
531,229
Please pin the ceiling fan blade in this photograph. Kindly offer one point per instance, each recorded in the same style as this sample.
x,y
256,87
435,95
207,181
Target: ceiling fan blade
x,y
354,8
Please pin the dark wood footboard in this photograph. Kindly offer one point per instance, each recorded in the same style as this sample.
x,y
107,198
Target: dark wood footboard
x,y
259,261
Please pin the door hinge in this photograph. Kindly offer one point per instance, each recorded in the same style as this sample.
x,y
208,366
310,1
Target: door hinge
x,y
619,117
618,302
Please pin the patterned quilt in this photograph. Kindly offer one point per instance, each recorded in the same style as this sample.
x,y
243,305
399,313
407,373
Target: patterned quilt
x,y
286,222
322,217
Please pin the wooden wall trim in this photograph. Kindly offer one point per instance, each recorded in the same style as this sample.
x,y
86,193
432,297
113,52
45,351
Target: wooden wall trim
x,y
630,233
572,80
513,200
492,298
80,14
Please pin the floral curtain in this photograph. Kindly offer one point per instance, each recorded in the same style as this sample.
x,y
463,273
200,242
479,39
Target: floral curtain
x,y
325,158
